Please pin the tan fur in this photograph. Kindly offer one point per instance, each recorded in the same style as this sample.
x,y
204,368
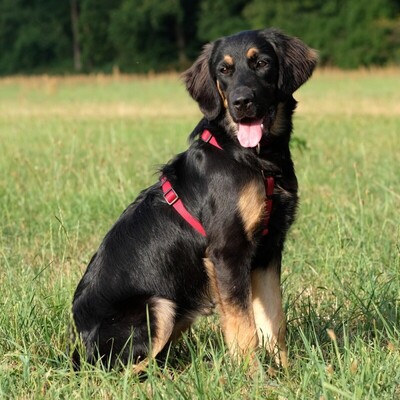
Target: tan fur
x,y
228,59
238,325
239,330
230,123
253,51
210,270
222,94
252,206
164,312
268,312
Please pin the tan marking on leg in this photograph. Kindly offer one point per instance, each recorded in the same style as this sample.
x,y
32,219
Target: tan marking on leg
x,y
210,270
228,59
239,330
141,366
253,51
238,325
164,315
252,206
222,94
268,312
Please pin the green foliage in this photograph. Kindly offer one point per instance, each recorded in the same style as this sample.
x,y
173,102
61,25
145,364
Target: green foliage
x,y
153,35
347,34
97,49
34,35
144,33
138,36
220,18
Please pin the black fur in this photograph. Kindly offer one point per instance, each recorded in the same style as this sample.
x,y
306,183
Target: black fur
x,y
151,252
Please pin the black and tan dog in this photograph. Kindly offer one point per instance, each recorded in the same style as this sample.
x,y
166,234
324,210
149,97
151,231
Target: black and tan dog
x,y
213,230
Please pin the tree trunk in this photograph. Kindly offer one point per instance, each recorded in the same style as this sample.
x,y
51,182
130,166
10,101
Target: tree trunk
x,y
181,44
75,35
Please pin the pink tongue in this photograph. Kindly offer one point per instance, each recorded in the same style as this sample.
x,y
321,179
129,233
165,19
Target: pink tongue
x,y
250,134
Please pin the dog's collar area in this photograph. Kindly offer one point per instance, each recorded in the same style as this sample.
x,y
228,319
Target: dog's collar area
x,y
172,198
208,137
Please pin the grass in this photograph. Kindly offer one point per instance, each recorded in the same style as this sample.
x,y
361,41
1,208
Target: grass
x,y
76,151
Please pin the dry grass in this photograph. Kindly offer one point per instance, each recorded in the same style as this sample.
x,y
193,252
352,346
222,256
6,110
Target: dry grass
x,y
115,110
339,94
365,92
97,96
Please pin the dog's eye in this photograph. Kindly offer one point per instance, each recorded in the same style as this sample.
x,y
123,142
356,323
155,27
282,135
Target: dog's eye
x,y
261,64
224,70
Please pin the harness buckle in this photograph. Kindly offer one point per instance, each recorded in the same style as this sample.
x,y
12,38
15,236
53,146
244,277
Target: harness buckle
x,y
171,197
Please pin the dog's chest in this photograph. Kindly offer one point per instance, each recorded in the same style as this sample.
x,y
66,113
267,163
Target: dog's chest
x,y
252,206
257,205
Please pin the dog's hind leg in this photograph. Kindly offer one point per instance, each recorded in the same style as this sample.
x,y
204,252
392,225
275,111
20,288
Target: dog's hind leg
x,y
138,333
268,311
163,318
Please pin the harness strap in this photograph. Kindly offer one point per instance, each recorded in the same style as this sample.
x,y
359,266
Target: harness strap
x,y
208,137
172,198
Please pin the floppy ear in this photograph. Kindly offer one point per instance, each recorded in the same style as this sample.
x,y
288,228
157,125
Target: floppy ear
x,y
296,60
202,86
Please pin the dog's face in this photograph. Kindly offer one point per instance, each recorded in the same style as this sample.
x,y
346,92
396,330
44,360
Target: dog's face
x,y
243,78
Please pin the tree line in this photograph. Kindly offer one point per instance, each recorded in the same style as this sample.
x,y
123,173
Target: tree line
x,y
152,35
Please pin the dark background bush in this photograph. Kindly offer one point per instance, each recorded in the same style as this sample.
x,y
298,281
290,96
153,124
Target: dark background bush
x,y
53,36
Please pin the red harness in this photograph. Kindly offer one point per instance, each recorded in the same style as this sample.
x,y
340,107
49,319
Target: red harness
x,y
172,198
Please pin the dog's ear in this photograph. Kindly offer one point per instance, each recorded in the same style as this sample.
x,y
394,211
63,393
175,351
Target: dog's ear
x,y
296,60
201,85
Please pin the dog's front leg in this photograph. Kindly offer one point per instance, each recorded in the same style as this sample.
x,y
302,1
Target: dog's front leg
x,y
233,296
268,310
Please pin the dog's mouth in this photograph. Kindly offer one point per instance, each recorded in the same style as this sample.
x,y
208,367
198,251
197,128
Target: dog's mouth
x,y
251,131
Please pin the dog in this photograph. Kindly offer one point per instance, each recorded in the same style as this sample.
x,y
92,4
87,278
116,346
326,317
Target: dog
x,y
210,234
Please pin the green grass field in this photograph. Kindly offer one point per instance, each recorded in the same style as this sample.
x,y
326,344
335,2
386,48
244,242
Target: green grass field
x,y
76,151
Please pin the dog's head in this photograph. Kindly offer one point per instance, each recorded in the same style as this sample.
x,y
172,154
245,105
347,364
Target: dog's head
x,y
245,76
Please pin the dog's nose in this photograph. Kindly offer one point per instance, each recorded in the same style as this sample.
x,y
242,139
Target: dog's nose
x,y
243,99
